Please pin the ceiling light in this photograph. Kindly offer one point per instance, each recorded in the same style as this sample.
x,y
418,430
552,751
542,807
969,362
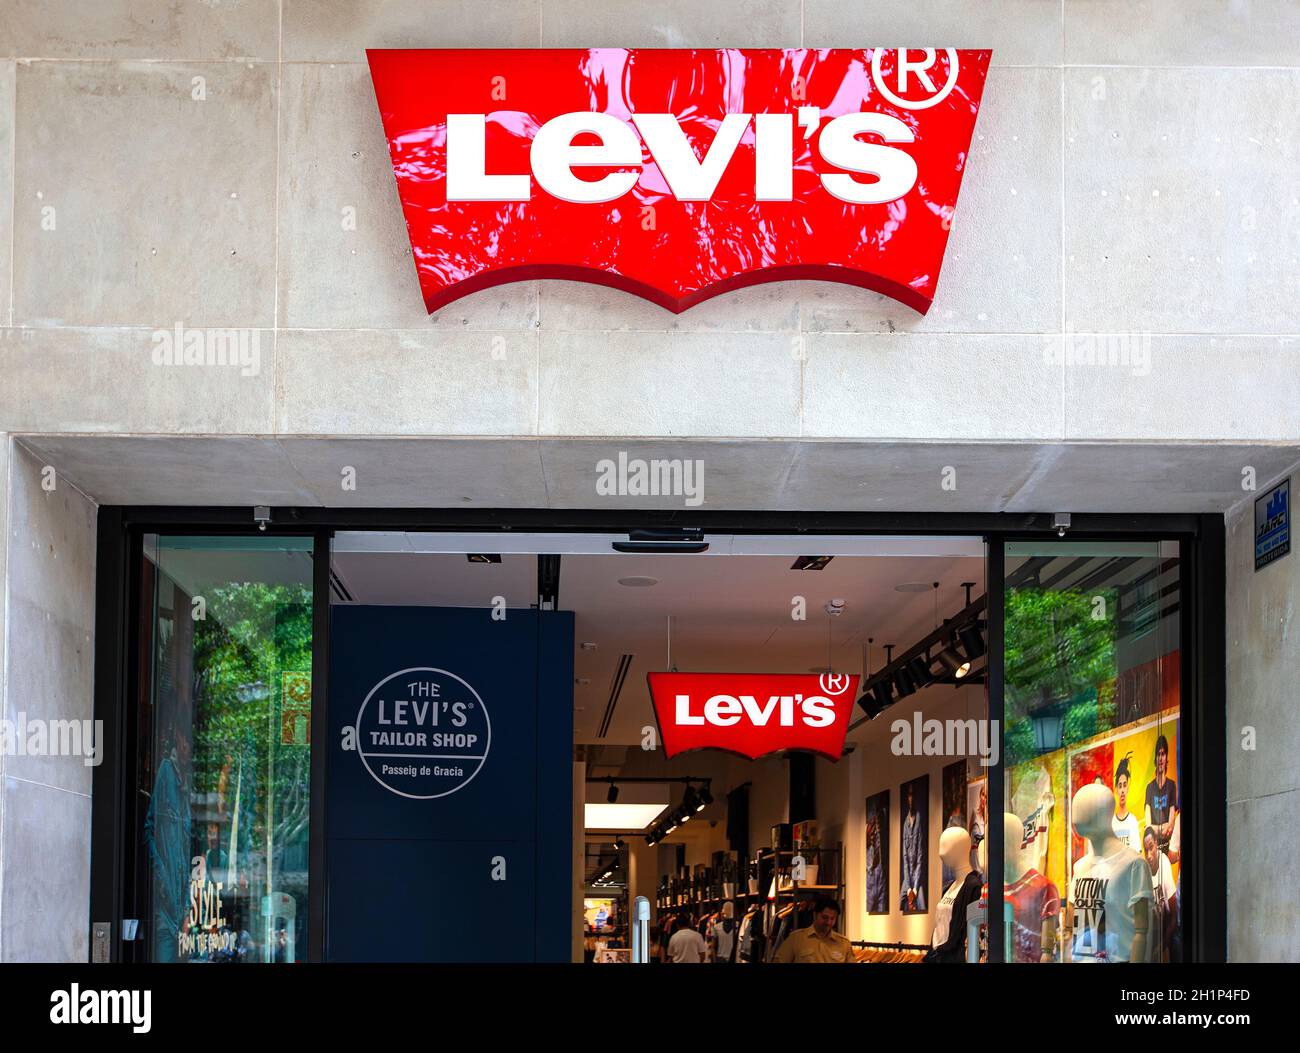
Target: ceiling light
x,y
962,670
947,658
612,796
638,581
811,562
482,557
904,682
706,798
875,701
689,801
602,816
920,670
972,640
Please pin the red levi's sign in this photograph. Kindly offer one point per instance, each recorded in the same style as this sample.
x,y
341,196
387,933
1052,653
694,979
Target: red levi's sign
x,y
679,175
753,714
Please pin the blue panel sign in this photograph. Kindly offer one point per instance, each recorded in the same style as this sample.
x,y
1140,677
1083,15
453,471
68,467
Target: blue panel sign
x,y
449,785
1273,524
423,732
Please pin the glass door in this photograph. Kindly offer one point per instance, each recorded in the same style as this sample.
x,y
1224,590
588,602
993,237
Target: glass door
x,y
1092,737
224,766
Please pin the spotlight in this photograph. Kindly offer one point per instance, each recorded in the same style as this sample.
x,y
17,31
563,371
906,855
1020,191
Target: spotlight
x,y
948,659
689,801
904,682
920,670
972,640
706,799
876,700
612,796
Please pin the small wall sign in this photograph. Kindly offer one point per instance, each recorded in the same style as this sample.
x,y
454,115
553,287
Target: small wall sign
x,y
1273,524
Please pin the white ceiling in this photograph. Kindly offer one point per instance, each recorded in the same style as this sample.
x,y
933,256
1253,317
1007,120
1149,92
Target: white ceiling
x,y
730,614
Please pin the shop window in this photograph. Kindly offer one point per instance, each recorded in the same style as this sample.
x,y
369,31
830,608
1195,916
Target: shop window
x,y
225,770
1092,749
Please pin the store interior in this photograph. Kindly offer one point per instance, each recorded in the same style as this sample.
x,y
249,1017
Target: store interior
x,y
742,850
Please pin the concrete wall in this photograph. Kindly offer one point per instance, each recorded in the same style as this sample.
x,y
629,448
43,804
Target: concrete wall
x,y
48,649
1134,171
1263,620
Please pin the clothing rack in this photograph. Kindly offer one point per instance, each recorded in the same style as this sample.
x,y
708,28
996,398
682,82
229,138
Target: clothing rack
x,y
891,946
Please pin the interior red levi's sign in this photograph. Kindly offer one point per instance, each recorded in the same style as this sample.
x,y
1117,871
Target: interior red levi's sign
x,y
679,174
753,714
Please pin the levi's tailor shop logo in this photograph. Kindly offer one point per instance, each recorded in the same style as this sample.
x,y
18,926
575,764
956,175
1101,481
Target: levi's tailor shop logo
x,y
422,733
753,714
679,174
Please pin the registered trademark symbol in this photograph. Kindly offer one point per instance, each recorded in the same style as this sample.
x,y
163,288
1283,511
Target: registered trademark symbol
x,y
906,65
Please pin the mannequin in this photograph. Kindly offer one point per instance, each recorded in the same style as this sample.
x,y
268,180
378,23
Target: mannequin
x,y
1035,902
948,944
1110,890
724,934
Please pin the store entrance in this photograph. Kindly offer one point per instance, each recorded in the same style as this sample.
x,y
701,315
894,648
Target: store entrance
x,y
430,746
740,844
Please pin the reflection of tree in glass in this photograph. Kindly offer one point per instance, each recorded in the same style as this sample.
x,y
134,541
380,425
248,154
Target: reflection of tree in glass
x,y
253,633
1060,659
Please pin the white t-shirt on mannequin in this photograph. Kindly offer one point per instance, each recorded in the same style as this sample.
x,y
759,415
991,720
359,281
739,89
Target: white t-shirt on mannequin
x,y
1103,893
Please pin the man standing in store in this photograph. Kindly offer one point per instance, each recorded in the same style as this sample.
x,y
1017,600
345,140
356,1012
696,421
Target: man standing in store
x,y
686,946
819,944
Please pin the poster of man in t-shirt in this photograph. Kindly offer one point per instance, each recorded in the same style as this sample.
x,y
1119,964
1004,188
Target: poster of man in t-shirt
x,y
1162,797
1124,823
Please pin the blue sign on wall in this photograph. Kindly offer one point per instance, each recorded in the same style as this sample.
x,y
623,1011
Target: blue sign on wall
x,y
449,785
1273,524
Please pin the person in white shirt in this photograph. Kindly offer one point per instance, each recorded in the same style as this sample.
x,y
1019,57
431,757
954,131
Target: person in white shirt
x,y
1124,823
687,946
1165,894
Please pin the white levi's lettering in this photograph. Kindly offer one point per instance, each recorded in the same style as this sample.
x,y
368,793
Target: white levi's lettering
x,y
554,156
814,711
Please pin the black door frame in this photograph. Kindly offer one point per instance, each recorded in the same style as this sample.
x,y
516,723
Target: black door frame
x,y
115,877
